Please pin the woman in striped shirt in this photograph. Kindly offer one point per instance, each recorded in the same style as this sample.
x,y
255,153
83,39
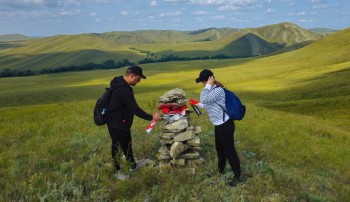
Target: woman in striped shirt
x,y
211,98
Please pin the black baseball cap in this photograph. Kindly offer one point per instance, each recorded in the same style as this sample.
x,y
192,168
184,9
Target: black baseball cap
x,y
204,75
136,70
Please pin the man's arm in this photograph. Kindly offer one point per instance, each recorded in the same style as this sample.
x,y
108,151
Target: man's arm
x,y
131,104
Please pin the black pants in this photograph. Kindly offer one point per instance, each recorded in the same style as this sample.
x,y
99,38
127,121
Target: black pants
x,y
225,147
121,139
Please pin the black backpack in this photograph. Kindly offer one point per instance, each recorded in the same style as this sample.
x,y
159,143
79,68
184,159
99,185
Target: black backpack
x,y
102,108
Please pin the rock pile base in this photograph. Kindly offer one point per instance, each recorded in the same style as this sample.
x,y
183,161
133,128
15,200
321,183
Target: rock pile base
x,y
180,142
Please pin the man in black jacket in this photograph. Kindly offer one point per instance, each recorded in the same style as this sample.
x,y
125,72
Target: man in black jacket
x,y
124,106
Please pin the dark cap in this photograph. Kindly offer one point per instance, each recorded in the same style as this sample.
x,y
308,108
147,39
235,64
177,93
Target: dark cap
x,y
136,70
204,75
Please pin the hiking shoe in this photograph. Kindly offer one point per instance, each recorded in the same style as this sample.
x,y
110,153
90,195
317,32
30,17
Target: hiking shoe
x,y
137,165
234,182
121,176
133,166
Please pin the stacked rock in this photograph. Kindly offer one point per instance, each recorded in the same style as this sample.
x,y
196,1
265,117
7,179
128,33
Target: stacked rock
x,y
179,140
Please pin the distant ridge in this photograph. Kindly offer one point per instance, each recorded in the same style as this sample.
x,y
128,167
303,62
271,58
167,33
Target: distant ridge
x,y
14,37
323,31
166,36
67,50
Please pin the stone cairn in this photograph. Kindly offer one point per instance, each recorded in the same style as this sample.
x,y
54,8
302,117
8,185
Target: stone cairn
x,y
180,142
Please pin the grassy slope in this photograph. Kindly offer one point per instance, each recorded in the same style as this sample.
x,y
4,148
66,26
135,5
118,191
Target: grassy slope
x,y
63,51
292,147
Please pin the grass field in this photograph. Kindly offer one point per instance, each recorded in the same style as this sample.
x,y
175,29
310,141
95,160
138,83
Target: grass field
x,y
293,142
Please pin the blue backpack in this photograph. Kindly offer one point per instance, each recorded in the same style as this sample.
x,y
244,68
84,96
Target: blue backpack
x,y
234,107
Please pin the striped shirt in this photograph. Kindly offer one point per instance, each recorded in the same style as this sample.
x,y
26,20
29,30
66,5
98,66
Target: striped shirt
x,y
210,99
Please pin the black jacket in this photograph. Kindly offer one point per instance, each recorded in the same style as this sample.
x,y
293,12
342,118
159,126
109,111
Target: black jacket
x,y
124,106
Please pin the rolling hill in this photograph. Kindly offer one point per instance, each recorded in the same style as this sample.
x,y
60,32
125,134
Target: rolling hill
x,y
66,50
14,37
293,142
323,31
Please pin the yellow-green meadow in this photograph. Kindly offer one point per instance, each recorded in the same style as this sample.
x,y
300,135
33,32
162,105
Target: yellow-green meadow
x,y
293,142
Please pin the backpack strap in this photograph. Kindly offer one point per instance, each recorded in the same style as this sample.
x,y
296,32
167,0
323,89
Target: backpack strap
x,y
109,101
223,109
223,112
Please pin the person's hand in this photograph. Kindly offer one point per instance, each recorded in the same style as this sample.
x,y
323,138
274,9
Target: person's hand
x,y
156,116
211,80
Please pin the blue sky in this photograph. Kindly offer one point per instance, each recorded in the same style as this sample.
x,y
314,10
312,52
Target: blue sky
x,y
53,17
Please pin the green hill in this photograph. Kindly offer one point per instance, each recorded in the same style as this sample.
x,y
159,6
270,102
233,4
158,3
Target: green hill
x,y
166,36
66,50
276,37
14,37
293,142
323,31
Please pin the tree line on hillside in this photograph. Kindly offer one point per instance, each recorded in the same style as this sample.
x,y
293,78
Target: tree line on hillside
x,y
169,58
107,64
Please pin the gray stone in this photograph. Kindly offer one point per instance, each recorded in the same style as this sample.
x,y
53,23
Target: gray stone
x,y
191,164
189,155
176,126
164,150
197,148
167,136
194,142
164,157
186,135
166,141
175,94
177,148
198,129
178,162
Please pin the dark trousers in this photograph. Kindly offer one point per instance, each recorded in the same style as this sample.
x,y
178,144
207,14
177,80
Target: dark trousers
x,y
121,139
225,147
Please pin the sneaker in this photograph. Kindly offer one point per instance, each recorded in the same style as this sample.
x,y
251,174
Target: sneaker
x,y
137,165
234,182
133,166
121,176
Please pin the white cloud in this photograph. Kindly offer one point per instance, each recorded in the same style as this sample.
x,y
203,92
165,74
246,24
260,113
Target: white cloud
x,y
208,2
218,17
346,14
153,3
269,10
177,13
93,14
228,4
200,12
31,1
69,13
175,1
301,13
319,6
124,13
198,19
269,1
